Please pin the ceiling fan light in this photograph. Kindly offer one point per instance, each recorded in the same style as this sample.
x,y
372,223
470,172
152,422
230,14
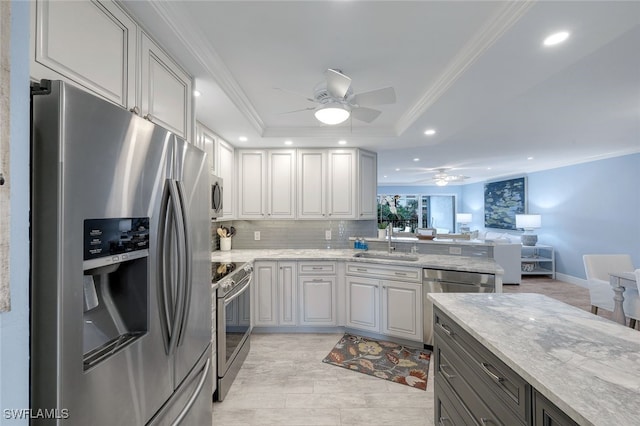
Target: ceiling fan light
x,y
441,182
332,114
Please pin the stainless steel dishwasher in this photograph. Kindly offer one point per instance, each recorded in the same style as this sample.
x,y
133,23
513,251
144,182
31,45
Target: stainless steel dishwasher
x,y
443,281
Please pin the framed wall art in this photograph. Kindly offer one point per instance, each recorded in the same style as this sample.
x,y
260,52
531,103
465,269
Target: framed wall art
x,y
502,201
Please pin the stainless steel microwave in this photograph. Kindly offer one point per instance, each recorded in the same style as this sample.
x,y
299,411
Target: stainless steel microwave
x,y
216,197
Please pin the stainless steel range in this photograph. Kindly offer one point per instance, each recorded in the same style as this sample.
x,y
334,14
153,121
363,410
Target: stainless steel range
x,y
234,320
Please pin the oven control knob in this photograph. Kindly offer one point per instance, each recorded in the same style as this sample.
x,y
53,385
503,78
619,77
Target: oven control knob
x,y
226,285
248,268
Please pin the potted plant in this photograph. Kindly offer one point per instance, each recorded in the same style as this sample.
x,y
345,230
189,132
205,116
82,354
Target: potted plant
x,y
382,230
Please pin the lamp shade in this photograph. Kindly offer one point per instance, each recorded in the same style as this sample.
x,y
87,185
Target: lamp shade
x,y
528,221
463,217
332,113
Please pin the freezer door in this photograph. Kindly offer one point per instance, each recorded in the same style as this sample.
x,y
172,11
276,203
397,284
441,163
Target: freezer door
x,y
192,180
92,160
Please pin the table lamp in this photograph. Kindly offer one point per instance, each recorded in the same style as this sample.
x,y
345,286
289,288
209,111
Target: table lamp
x,y
528,222
463,219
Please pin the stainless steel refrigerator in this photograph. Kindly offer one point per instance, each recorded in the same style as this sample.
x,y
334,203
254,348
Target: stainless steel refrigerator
x,y
120,267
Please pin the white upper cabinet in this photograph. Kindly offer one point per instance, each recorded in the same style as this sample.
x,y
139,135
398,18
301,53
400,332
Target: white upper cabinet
x,y
312,184
251,184
88,43
266,180
367,184
97,46
327,184
166,90
341,186
281,184
225,167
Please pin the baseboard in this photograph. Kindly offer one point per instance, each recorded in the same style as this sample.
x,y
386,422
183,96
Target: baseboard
x,y
572,280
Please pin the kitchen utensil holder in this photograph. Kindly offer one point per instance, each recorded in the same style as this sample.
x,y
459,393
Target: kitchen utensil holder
x,y
225,244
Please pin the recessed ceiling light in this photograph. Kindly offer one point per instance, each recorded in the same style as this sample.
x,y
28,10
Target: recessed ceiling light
x,y
430,132
384,176
416,159
288,142
556,38
529,158
343,142
488,168
196,93
397,170
243,139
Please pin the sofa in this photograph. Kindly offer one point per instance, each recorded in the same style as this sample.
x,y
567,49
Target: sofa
x,y
507,251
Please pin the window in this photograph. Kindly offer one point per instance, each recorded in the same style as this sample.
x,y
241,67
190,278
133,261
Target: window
x,y
408,212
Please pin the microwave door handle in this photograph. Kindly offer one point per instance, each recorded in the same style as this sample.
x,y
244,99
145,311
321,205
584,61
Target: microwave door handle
x,y
186,261
178,222
164,272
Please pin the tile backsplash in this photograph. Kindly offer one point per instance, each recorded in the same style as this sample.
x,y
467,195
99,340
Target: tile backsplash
x,y
277,234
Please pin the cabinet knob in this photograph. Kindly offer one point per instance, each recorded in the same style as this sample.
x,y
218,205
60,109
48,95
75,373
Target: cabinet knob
x,y
148,117
135,110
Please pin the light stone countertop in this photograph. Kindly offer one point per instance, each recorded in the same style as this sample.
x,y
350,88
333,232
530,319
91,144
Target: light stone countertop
x,y
450,262
586,365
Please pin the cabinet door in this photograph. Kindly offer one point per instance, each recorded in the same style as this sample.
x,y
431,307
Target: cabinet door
x,y
317,300
311,184
281,184
91,44
367,184
206,141
363,303
225,167
341,184
251,184
287,293
265,293
402,309
166,91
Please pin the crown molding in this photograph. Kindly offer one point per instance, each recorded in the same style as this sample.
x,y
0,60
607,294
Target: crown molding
x,y
194,41
328,132
491,31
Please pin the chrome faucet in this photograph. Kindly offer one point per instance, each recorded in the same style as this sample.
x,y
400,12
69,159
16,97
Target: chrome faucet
x,y
389,232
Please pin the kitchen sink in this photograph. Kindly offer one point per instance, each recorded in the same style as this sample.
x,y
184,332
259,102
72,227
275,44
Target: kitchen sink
x,y
383,256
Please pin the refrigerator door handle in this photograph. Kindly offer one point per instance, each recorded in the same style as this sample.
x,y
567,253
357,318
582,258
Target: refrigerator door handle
x,y
178,307
164,270
186,260
194,395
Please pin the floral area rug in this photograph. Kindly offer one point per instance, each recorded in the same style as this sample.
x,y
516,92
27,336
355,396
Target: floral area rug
x,y
386,360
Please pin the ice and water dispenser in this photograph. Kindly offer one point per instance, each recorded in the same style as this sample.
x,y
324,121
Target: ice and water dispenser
x,y
115,285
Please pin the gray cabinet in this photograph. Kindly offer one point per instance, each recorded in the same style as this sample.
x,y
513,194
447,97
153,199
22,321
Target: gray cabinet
x,y
473,386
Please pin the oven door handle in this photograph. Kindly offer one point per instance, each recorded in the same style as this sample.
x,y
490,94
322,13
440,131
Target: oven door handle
x,y
238,293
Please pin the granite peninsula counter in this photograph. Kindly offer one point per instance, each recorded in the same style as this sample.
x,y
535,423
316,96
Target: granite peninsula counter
x,y
588,366
449,262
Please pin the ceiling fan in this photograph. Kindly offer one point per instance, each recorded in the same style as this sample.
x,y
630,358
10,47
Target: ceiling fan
x,y
337,101
442,178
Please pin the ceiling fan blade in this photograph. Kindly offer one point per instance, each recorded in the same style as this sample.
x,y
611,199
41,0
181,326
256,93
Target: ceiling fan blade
x,y
297,110
295,93
365,114
376,97
337,83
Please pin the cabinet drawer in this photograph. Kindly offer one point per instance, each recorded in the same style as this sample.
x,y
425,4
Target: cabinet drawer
x,y
491,373
457,373
316,268
449,410
380,271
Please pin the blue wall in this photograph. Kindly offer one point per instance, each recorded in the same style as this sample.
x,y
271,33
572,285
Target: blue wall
x,y
14,325
586,208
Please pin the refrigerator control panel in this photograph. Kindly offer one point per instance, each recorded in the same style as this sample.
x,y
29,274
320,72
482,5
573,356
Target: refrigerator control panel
x,y
115,237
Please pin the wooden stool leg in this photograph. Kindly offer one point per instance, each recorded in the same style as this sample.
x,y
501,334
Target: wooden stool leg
x,y
594,310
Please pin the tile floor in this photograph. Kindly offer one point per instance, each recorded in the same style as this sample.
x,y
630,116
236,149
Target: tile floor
x,y
284,381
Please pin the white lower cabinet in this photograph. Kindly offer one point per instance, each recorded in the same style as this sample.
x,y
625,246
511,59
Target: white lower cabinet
x,y
389,307
402,309
291,293
363,303
318,300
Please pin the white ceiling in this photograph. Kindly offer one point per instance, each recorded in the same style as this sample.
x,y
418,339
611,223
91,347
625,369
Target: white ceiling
x,y
475,71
